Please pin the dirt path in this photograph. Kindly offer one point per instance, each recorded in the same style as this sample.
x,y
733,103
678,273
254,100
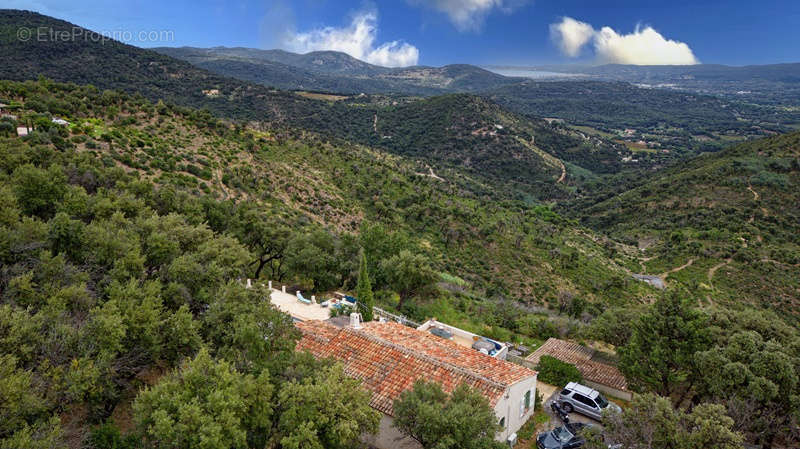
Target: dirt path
x,y
755,194
716,267
548,158
677,269
563,173
218,175
431,174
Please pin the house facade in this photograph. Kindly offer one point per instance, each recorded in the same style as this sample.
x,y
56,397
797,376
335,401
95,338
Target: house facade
x,y
389,357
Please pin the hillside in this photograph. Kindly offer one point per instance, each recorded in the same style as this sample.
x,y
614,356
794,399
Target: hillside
x,y
478,137
109,64
323,62
727,223
658,124
112,65
494,245
267,68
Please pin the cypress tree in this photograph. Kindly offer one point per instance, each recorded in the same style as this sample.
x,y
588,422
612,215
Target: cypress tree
x,y
364,290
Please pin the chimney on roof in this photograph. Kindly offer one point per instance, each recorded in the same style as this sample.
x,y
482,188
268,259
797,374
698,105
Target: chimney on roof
x,y
355,320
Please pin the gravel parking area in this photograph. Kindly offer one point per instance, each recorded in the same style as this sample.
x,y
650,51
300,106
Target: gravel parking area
x,y
555,421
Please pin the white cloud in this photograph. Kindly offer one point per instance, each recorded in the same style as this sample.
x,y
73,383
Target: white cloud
x,y
645,46
571,35
357,40
468,15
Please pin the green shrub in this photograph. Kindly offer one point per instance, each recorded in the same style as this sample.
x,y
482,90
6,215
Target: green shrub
x,y
555,372
108,436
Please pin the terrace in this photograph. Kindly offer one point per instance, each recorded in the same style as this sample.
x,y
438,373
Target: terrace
x,y
465,338
292,304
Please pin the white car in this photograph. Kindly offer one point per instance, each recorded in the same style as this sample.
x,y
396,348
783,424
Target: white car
x,y
585,400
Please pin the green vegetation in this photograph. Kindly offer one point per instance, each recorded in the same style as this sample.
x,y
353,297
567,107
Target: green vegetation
x,y
126,234
658,356
113,277
366,300
555,372
435,419
651,421
186,408
669,119
738,366
459,132
735,215
304,208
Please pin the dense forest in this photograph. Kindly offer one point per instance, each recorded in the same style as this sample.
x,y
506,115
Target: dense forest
x,y
529,148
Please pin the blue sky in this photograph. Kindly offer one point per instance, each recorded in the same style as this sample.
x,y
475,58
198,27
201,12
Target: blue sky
x,y
437,32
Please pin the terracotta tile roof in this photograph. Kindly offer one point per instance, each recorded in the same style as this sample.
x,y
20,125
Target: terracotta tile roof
x,y
581,357
388,359
500,371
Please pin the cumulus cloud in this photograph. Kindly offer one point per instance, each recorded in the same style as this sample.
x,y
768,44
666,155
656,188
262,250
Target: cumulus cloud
x,y
645,46
468,15
571,35
357,40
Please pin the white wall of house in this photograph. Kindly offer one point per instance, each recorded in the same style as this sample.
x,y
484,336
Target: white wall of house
x,y
511,407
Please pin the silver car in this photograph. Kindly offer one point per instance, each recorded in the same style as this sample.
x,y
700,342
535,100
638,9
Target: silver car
x,y
585,400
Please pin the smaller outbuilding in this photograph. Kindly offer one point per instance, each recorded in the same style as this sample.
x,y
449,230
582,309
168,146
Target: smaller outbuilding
x,y
596,374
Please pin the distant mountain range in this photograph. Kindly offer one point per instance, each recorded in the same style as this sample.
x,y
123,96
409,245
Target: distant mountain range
x,y
336,71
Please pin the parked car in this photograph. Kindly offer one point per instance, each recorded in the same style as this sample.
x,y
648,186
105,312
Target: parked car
x,y
567,436
585,400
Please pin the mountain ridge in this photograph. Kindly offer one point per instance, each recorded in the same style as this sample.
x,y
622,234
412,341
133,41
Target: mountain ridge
x,y
336,71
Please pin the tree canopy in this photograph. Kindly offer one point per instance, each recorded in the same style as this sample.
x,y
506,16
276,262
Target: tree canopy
x,y
366,300
650,422
461,419
659,356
